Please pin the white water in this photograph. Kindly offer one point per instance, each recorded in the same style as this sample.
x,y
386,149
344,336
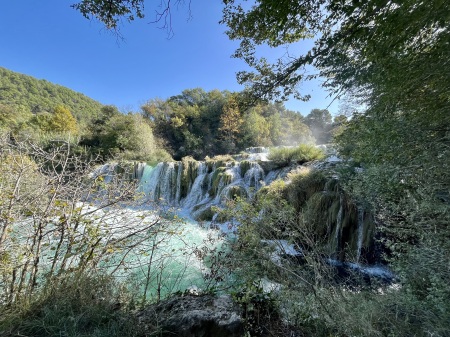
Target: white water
x,y
339,219
197,192
156,255
163,183
360,233
209,188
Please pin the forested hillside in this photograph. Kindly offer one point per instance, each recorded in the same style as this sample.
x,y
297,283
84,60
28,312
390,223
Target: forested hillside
x,y
26,93
193,123
40,112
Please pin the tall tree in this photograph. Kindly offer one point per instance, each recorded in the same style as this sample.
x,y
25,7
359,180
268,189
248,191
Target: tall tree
x,y
255,129
355,43
230,123
63,121
319,121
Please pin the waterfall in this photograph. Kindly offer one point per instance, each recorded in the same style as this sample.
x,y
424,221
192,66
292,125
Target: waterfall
x,y
199,190
163,183
360,233
144,181
254,176
138,170
196,186
178,183
339,218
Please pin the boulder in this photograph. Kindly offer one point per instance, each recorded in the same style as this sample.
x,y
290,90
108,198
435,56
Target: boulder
x,y
194,316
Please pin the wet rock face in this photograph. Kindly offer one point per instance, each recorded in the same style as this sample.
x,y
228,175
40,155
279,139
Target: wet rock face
x,y
194,316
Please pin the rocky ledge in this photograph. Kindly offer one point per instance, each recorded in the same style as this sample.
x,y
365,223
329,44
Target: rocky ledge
x,y
190,315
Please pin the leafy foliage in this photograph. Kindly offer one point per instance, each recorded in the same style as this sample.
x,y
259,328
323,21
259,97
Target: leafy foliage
x,y
356,43
111,12
230,121
25,95
43,112
200,123
75,305
390,58
126,137
298,155
319,121
59,121
49,225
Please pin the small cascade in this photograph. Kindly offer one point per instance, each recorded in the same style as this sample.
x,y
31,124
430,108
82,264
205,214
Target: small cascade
x,y
254,177
106,171
360,230
196,186
222,177
198,192
144,182
139,170
257,149
178,183
338,233
127,171
257,153
163,183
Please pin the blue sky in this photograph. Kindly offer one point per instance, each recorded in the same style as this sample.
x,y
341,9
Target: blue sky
x,y
47,39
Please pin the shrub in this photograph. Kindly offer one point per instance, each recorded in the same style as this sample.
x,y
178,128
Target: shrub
x,y
299,155
305,182
76,305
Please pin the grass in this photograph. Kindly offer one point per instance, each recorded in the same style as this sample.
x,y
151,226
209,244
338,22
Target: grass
x,y
73,306
298,155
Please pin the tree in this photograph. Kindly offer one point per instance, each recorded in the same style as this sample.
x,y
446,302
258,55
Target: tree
x,y
60,121
319,121
128,136
255,129
200,123
28,95
62,218
391,57
13,118
110,12
354,41
230,122
63,121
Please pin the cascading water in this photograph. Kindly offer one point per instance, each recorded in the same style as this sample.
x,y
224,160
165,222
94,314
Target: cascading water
x,y
170,262
360,233
198,191
212,185
193,187
254,176
339,218
161,183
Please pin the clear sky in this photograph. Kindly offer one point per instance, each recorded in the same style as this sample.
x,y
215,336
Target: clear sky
x,y
47,39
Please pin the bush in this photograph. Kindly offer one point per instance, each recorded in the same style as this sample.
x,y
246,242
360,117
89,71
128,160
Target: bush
x,y
299,155
305,182
76,305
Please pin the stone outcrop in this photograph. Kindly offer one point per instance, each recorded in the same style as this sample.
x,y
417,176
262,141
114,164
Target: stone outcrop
x,y
189,316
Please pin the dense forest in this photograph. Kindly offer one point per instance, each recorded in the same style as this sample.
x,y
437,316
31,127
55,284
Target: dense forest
x,y
354,246
194,123
199,124
29,95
